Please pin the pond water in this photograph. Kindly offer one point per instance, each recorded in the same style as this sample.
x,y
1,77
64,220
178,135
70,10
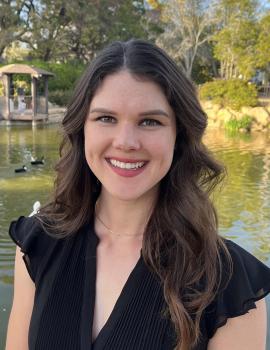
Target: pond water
x,y
243,201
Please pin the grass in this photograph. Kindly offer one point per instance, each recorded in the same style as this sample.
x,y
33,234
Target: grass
x,y
243,124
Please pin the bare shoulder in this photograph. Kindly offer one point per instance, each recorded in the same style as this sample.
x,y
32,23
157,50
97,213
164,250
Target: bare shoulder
x,y
245,332
23,300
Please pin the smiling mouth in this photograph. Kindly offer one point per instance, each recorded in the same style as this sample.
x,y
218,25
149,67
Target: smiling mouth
x,y
125,165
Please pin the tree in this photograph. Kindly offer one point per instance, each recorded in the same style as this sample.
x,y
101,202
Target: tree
x,y
235,42
77,31
188,25
263,43
48,23
108,20
205,65
15,52
14,15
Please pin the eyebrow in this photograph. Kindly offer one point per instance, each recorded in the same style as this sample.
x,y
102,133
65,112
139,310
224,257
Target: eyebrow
x,y
143,114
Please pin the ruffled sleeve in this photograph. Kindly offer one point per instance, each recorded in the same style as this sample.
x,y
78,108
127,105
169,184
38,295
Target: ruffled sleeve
x,y
250,282
28,234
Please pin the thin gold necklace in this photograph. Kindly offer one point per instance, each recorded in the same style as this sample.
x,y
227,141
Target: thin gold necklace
x,y
114,233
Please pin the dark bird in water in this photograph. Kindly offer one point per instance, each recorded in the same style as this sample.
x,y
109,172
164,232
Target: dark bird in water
x,y
62,11
35,161
23,169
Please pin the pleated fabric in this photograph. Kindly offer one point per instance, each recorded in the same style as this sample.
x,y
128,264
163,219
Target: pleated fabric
x,y
64,273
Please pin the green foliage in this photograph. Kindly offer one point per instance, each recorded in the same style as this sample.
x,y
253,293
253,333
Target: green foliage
x,y
233,93
15,52
263,44
13,21
201,72
78,29
240,94
60,97
61,85
22,81
187,26
235,41
214,91
66,75
237,53
1,88
241,124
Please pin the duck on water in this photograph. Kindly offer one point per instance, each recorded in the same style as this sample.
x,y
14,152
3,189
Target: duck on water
x,y
35,161
23,169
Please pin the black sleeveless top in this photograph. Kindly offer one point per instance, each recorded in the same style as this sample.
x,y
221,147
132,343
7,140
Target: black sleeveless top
x,y
64,273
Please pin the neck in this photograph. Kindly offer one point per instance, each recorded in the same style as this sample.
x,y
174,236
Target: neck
x,y
123,218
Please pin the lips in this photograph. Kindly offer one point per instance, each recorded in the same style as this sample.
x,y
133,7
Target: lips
x,y
126,167
125,163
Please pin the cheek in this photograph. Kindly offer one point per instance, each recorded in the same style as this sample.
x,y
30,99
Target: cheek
x,y
95,146
163,148
89,146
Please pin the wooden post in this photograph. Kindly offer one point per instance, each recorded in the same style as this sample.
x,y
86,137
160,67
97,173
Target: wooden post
x,y
46,96
7,83
34,98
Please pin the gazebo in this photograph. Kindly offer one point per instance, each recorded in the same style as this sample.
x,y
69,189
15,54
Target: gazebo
x,y
15,107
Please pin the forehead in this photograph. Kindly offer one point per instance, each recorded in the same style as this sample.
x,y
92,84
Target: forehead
x,y
125,89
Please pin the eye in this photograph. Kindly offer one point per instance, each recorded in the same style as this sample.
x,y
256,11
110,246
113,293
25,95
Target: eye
x,y
106,119
150,122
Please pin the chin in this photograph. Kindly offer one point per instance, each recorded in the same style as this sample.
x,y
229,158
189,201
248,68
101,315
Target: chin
x,y
129,195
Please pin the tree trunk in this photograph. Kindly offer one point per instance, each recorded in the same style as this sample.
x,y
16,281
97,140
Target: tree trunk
x,y
227,70
222,69
47,55
231,68
2,48
214,68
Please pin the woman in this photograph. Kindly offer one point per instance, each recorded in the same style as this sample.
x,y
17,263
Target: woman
x,y
127,255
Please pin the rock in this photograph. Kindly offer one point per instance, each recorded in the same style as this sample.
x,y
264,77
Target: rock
x,y
216,107
260,115
224,115
267,108
211,114
206,105
247,110
211,123
218,116
244,130
256,127
237,115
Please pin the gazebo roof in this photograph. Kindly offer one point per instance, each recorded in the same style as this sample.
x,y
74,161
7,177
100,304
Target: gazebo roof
x,y
24,69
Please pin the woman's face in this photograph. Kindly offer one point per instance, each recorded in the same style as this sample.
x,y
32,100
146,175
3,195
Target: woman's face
x,y
130,135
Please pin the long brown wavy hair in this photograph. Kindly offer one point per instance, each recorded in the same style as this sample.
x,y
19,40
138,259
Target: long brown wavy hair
x,y
181,244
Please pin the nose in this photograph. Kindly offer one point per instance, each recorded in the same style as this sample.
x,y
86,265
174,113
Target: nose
x,y
126,138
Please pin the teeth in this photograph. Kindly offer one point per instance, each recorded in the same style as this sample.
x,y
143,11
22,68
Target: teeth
x,y
123,165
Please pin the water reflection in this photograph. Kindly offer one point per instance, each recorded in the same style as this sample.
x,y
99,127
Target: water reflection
x,y
243,202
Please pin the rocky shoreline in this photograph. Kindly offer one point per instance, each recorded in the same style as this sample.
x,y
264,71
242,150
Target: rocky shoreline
x,y
218,116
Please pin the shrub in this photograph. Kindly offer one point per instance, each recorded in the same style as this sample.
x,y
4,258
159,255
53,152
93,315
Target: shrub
x,y
233,93
60,97
241,124
16,83
65,77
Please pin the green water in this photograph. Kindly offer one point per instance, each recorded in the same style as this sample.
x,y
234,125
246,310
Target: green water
x,y
243,202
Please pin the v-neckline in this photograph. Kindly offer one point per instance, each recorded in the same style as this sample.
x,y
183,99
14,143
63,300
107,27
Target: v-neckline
x,y
89,297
